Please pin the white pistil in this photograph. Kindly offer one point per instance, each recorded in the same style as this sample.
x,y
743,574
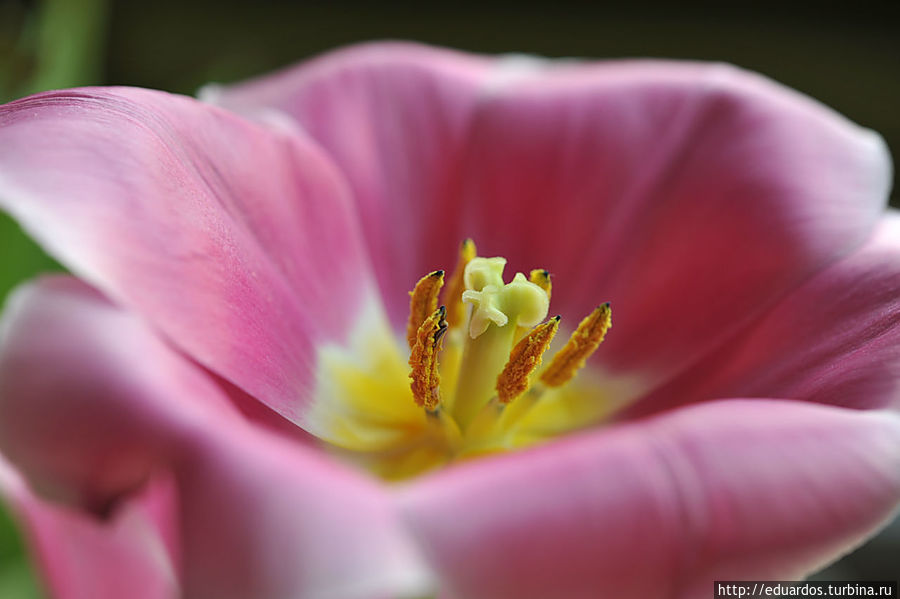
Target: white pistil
x,y
498,309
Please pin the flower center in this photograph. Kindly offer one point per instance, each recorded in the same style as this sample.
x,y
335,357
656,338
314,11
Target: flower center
x,y
474,383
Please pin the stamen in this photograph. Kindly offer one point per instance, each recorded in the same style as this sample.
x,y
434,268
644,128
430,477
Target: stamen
x,y
541,278
475,373
583,342
423,302
456,309
524,359
426,380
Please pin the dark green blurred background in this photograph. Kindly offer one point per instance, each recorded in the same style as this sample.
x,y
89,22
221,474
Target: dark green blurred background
x,y
848,60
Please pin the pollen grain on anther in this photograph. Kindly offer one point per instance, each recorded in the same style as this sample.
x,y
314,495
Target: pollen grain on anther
x,y
423,302
583,342
423,361
524,358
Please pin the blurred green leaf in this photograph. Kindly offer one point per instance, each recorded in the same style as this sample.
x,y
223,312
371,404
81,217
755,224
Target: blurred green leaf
x,y
70,45
17,580
20,257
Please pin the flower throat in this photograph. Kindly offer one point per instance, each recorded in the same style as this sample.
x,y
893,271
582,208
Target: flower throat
x,y
476,345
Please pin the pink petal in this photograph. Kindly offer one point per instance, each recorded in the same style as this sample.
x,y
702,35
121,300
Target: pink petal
x,y
394,117
81,383
726,490
238,243
82,557
93,404
262,519
692,196
835,340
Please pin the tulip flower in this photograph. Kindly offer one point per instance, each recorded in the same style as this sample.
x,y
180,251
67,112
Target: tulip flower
x,y
234,395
